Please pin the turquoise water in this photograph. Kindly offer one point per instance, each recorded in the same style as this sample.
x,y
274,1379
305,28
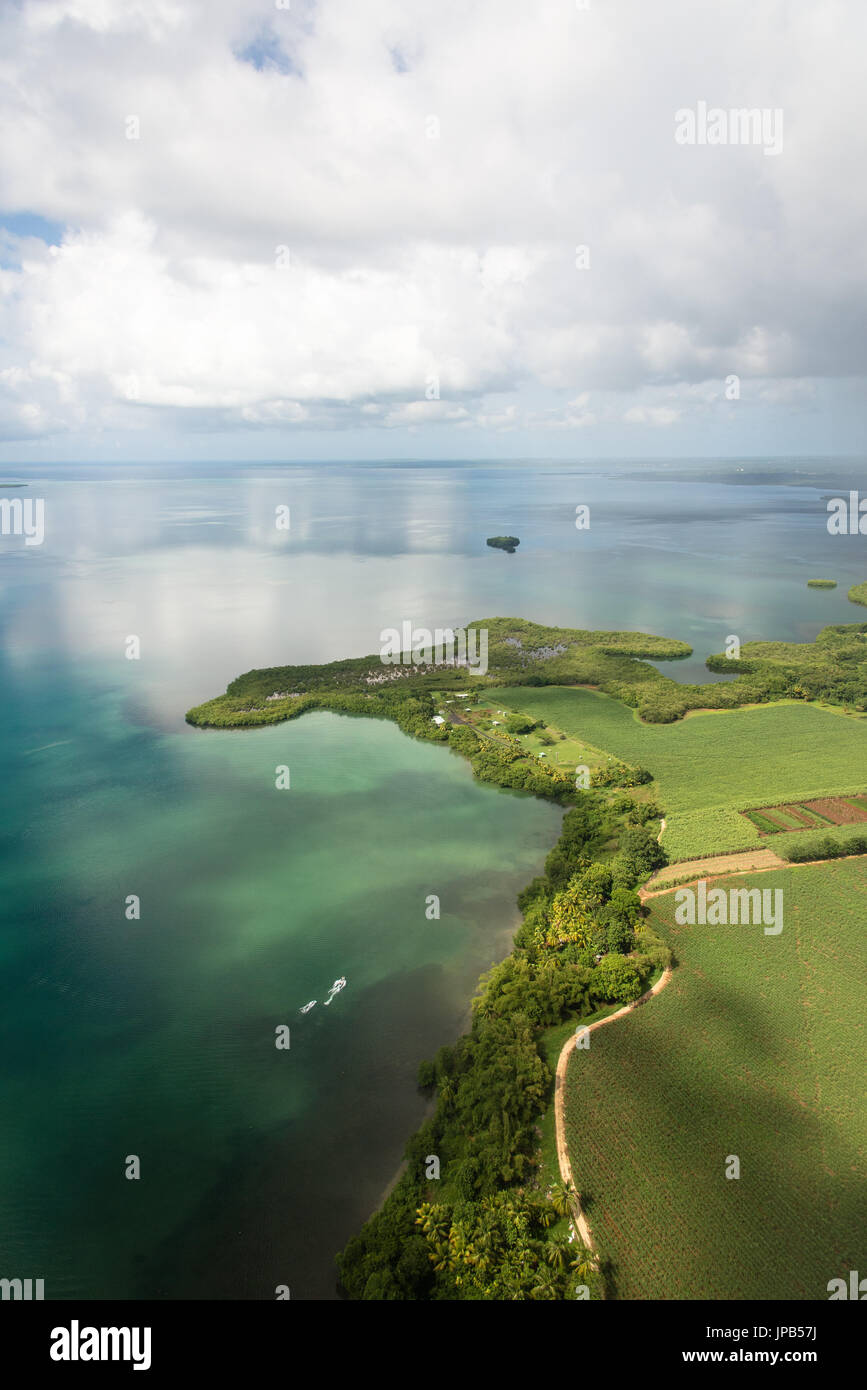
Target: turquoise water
x,y
156,1037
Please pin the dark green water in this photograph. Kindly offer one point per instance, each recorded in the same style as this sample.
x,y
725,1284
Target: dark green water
x,y
156,1037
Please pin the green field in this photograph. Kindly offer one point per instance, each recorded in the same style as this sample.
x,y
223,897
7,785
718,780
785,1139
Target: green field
x,y
709,767
755,1048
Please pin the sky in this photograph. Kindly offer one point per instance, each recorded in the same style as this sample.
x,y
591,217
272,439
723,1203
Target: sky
x,y
277,229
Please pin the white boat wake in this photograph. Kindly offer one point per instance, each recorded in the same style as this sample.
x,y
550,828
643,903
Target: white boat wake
x,y
335,989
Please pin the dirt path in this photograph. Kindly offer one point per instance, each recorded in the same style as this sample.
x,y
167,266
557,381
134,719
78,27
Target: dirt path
x,y
559,1109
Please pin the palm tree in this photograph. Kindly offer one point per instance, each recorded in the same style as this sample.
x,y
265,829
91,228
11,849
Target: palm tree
x,y
546,1216
441,1256
544,1286
434,1221
584,1262
562,1196
559,1252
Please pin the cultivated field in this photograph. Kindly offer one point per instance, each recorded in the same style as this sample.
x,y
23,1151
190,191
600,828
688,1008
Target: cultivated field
x,y
754,1049
825,811
711,766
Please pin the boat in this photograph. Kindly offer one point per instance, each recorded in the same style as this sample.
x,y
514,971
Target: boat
x,y
307,1007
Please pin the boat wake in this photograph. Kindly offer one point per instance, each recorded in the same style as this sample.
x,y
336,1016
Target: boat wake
x,y
334,990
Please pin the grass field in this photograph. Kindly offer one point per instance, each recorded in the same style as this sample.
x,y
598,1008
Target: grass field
x,y
710,767
755,1048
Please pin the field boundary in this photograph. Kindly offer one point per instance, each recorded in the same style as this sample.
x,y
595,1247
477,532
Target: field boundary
x,y
698,876
568,1047
715,865
821,821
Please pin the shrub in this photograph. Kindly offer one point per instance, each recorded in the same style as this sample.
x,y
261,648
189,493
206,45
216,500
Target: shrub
x,y
655,955
463,740
824,847
616,978
618,937
520,724
619,916
619,774
640,854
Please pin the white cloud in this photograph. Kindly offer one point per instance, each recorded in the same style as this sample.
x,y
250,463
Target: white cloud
x,y
410,257
659,415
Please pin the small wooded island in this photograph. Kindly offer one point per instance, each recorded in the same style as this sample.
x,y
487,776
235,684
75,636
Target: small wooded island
x,y
508,543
